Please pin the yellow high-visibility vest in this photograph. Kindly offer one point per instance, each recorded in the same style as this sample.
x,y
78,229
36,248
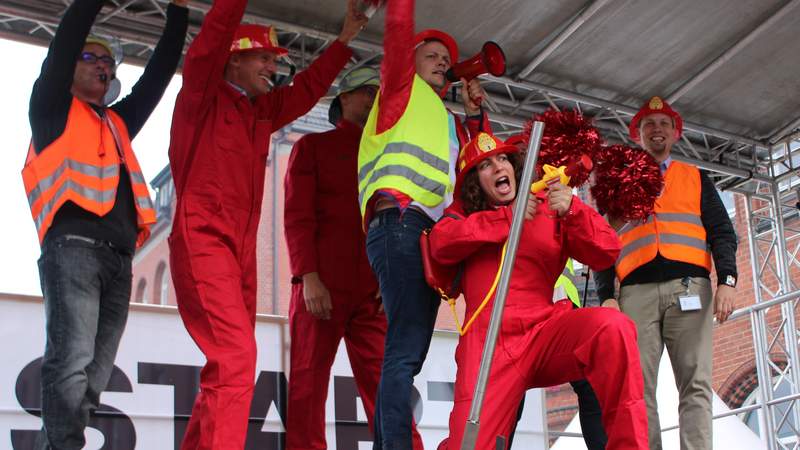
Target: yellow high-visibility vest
x,y
413,156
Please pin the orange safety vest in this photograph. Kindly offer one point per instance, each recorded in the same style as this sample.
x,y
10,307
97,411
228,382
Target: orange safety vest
x,y
675,230
82,166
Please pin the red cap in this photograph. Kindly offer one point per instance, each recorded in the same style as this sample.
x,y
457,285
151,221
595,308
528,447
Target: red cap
x,y
441,36
253,37
655,105
481,147
518,140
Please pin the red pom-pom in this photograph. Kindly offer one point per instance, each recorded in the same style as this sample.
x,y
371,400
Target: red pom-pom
x,y
627,182
567,136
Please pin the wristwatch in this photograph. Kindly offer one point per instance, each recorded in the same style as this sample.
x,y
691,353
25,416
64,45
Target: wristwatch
x,y
729,280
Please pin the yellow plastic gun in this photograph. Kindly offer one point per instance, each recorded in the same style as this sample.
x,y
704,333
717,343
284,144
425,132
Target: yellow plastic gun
x,y
561,174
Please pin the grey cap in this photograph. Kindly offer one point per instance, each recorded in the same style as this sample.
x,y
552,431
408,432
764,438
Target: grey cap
x,y
356,78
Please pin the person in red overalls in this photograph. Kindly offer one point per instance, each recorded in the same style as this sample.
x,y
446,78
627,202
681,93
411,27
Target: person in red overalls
x,y
223,118
334,293
541,343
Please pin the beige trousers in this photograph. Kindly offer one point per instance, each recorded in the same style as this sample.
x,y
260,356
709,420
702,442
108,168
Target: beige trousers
x,y
687,335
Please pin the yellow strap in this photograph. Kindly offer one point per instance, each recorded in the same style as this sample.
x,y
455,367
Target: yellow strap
x,y
488,294
452,303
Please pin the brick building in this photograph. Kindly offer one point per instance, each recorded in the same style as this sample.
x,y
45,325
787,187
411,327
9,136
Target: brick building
x,y
735,378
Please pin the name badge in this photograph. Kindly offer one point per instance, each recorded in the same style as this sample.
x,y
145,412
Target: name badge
x,y
690,303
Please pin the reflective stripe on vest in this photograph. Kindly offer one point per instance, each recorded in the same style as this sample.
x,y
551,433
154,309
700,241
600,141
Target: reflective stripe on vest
x,y
82,166
566,285
675,230
413,156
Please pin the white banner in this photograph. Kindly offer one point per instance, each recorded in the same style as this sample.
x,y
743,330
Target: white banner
x,y
152,389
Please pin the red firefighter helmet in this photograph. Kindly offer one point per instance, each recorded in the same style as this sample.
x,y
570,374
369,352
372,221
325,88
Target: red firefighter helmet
x,y
479,148
517,140
655,105
253,36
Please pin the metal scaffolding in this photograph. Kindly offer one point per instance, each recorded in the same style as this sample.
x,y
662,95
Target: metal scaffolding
x,y
763,169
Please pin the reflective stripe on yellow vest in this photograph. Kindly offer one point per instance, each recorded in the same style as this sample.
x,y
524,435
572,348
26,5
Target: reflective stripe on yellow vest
x,y
675,230
565,286
82,166
411,157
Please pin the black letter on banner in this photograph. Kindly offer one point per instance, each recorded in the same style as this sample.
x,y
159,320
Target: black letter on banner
x,y
186,383
270,388
349,430
117,428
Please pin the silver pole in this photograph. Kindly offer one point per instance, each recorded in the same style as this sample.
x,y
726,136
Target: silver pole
x,y
757,325
523,192
788,308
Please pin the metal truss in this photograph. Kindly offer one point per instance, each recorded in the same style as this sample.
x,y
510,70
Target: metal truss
x,y
774,229
512,100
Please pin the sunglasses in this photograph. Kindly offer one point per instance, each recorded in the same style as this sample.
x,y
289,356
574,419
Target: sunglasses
x,y
91,58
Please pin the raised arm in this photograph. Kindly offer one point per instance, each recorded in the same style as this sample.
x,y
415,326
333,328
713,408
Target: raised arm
x,y
286,104
51,97
397,68
204,66
147,92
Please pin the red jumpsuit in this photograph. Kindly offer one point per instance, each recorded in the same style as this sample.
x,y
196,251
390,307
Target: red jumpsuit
x,y
540,343
322,223
218,154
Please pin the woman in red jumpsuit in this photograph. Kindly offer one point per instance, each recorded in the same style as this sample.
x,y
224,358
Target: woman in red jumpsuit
x,y
540,343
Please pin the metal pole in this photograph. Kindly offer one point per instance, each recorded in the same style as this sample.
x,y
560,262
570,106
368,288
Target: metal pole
x,y
523,192
769,434
787,309
571,28
757,325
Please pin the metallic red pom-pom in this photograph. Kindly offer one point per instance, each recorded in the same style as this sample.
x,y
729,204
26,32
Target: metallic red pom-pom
x,y
567,136
627,182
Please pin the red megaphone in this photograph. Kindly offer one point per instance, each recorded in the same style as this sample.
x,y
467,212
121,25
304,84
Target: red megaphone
x,y
490,59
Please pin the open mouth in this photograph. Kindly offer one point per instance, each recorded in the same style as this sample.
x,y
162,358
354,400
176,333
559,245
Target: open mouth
x,y
503,185
657,139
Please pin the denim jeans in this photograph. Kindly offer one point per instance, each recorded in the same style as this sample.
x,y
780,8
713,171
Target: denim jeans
x,y
411,307
87,288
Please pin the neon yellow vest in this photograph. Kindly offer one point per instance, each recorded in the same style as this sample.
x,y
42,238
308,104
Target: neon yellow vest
x,y
413,156
565,285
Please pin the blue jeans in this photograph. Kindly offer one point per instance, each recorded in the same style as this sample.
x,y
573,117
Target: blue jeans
x,y
411,307
87,288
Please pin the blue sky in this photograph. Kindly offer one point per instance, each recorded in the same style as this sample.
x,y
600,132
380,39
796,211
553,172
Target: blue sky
x,y
19,247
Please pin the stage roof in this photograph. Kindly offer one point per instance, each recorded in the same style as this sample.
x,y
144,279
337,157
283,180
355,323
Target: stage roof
x,y
729,66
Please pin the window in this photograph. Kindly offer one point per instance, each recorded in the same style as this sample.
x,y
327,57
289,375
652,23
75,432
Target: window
x,y
161,286
754,419
141,291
